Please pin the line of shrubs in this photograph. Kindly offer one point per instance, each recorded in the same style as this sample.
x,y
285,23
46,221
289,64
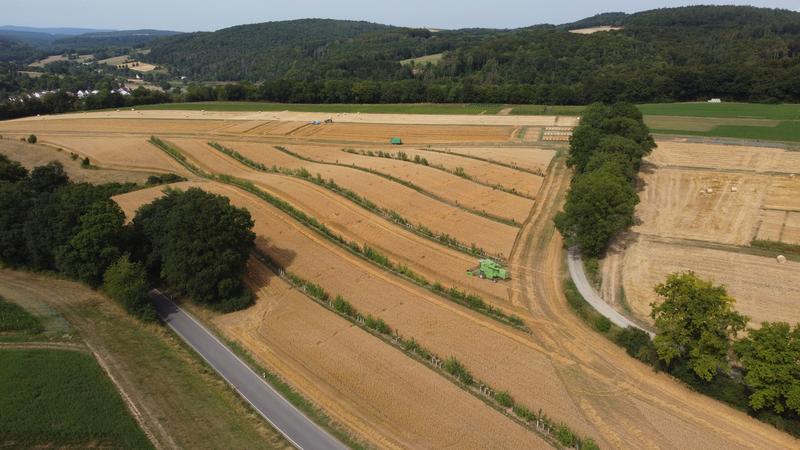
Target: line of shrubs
x,y
409,185
420,229
451,365
487,160
459,171
471,301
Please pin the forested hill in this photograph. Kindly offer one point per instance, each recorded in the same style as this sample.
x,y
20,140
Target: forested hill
x,y
307,48
690,53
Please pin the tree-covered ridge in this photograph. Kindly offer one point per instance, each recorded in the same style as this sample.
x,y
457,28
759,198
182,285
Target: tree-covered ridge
x,y
690,53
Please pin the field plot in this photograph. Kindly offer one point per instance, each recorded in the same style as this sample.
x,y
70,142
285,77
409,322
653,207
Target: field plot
x,y
412,134
485,172
61,398
725,157
81,123
445,185
494,237
693,204
783,193
373,388
494,354
532,159
763,288
31,156
791,228
133,153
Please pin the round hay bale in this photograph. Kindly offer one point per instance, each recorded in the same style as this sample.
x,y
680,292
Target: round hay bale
x,y
709,191
734,189
781,259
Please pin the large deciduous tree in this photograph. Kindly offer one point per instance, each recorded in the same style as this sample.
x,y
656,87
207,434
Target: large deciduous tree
x,y
771,359
696,323
202,244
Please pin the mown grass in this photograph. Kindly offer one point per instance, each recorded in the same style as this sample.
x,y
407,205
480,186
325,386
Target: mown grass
x,y
730,110
56,398
15,319
388,108
785,131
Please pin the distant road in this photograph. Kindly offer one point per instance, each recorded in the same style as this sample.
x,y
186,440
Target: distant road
x,y
578,274
288,420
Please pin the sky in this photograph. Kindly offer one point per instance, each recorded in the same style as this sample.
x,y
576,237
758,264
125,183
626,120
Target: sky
x,y
203,15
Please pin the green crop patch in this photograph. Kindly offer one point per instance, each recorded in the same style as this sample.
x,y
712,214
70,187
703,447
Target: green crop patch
x,y
56,398
15,319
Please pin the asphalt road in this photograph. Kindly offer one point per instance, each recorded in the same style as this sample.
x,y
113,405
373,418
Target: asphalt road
x,y
578,274
284,417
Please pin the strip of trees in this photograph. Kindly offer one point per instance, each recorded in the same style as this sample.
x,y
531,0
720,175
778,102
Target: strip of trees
x,y
193,242
703,341
606,150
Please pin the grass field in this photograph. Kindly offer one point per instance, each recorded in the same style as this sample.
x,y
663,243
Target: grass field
x,y
13,318
61,398
433,59
389,108
784,131
738,110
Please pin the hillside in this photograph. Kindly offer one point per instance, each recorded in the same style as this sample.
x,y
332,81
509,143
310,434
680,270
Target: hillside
x,y
660,55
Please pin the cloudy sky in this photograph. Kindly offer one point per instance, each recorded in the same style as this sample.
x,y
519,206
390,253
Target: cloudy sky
x,y
194,15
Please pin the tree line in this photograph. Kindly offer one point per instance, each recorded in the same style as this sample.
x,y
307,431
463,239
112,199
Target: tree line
x,y
606,150
702,340
191,241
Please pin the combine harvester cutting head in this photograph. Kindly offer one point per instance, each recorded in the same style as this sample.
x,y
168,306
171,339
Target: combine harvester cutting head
x,y
490,270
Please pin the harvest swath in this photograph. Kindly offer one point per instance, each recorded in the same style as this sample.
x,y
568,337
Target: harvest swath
x,y
553,363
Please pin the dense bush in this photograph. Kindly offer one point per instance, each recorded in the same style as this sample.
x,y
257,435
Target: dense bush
x,y
126,282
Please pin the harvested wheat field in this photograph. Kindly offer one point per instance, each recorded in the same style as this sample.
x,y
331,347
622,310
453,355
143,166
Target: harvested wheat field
x,y
90,126
493,352
412,134
703,205
484,172
416,207
360,381
771,225
764,289
536,160
791,228
725,157
783,193
130,153
590,394
447,186
32,155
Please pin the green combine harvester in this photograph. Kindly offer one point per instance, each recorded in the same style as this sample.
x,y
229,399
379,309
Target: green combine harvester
x,y
490,270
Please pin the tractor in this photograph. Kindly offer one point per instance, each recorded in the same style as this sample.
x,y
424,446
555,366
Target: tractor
x,y
489,269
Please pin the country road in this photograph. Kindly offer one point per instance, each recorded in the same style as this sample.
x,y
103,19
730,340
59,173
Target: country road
x,y
578,275
288,420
